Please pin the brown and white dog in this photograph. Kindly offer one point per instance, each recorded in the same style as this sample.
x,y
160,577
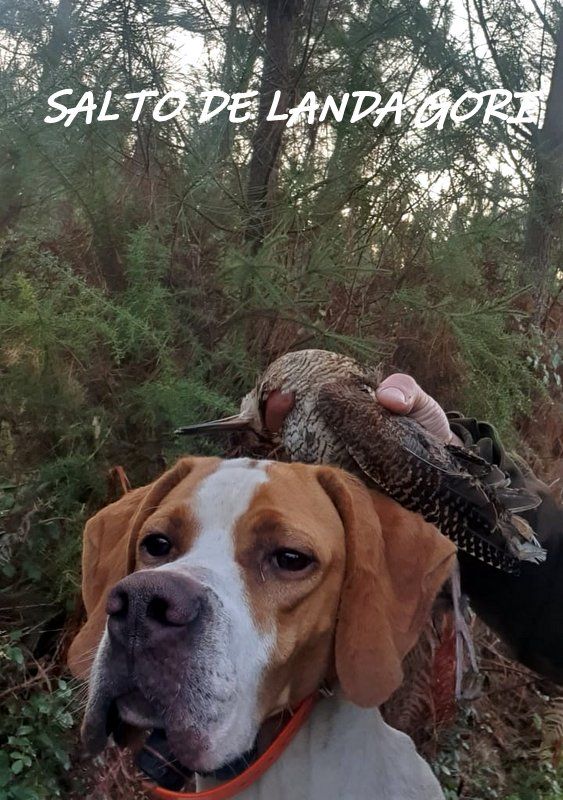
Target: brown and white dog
x,y
227,591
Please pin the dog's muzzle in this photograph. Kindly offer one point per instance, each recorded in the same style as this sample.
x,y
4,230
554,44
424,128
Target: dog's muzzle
x,y
157,665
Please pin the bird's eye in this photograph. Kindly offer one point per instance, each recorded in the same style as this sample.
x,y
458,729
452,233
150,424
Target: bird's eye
x,y
156,545
291,560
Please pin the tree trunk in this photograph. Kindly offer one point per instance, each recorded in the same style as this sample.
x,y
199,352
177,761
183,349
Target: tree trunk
x,y
53,51
266,142
544,216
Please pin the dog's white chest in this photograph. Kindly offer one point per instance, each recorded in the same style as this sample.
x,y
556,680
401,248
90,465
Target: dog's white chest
x,y
346,753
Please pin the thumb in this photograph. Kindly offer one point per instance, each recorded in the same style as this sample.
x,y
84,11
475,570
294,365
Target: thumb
x,y
401,394
398,393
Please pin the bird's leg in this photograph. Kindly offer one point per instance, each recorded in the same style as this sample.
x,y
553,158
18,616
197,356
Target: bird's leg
x,y
463,638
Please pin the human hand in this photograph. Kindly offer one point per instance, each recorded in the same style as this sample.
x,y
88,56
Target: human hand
x,y
401,394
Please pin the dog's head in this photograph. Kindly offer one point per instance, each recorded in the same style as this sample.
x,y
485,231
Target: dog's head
x,y
228,590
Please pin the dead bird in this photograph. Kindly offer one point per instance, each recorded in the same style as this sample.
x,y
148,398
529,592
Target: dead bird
x,y
335,418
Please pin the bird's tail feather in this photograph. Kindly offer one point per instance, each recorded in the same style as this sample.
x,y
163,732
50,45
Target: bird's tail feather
x,y
518,500
522,540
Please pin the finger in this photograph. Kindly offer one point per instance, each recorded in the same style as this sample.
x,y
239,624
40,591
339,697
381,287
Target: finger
x,y
401,394
398,393
278,406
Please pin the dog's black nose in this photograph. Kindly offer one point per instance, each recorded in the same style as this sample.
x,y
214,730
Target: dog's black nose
x,y
148,603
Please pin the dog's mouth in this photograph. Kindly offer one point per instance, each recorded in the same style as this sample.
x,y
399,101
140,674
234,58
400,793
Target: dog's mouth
x,y
127,719
108,715
125,716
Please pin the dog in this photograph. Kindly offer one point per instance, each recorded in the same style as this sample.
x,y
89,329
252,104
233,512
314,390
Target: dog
x,y
229,591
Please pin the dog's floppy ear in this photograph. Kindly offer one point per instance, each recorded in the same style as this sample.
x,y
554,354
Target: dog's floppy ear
x,y
395,565
108,555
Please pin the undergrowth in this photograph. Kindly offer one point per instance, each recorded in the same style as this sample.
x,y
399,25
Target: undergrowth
x,y
35,726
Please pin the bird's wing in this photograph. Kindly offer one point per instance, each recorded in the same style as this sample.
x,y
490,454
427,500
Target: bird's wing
x,y
441,482
477,466
395,449
512,499
518,500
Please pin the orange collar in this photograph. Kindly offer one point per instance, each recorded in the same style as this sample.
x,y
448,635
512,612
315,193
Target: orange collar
x,y
255,771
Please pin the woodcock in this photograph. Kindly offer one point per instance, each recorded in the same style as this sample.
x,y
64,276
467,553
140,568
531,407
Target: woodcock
x,y
336,419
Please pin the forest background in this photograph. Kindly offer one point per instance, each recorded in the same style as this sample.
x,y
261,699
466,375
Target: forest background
x,y
148,271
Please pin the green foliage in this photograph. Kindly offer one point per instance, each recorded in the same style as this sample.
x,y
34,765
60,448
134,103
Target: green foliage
x,y
495,356
492,353
534,783
35,729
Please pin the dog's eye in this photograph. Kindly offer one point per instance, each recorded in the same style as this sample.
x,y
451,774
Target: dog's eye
x,y
156,545
291,560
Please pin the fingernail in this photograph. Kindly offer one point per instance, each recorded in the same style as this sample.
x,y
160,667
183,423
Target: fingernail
x,y
391,393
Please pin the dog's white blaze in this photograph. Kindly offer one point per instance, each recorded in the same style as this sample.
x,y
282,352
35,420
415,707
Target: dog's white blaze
x,y
219,502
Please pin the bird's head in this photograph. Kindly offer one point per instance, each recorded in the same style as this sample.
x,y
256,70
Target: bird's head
x,y
287,381
261,411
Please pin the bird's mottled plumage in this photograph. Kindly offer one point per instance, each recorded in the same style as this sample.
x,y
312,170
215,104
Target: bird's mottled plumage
x,y
336,419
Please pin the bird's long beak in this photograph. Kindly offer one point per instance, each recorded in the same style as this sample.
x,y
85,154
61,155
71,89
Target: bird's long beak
x,y
238,422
